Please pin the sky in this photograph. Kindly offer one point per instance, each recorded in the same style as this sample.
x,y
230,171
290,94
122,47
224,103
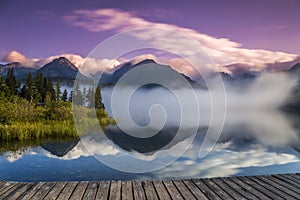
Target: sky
x,y
39,29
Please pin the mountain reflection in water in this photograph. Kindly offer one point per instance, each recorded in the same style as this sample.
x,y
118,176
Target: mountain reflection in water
x,y
251,143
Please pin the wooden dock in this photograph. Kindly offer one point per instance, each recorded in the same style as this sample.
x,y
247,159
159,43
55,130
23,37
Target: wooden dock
x,y
285,186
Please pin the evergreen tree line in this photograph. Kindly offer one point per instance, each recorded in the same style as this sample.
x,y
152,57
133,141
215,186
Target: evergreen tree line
x,y
37,109
43,91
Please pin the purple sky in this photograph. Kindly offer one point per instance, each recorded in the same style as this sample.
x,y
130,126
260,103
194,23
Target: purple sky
x,y
37,29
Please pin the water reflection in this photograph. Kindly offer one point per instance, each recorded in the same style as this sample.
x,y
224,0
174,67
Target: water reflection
x,y
251,143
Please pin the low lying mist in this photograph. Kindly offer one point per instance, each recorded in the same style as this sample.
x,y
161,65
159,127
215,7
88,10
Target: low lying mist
x,y
252,112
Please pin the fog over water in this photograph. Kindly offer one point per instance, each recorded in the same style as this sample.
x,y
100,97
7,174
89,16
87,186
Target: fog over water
x,y
257,138
252,112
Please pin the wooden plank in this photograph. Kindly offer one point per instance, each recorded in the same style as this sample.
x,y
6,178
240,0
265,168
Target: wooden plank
x,y
55,191
103,190
206,190
12,189
249,188
228,189
67,191
2,183
91,191
115,190
138,190
260,188
216,189
292,178
172,190
195,190
43,191
238,188
284,184
297,176
149,190
127,193
270,181
20,191
33,190
288,181
271,188
161,190
6,187
183,190
79,190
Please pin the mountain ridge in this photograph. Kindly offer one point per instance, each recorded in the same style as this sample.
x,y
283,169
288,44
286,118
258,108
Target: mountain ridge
x,y
62,68
19,69
112,78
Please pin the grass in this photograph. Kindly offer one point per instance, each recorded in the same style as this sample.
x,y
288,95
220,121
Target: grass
x,y
21,120
37,131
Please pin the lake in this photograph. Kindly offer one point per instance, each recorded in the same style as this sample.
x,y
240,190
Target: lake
x,y
253,142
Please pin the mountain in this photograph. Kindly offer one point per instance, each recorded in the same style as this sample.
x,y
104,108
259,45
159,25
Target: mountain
x,y
19,70
240,80
60,68
295,68
108,79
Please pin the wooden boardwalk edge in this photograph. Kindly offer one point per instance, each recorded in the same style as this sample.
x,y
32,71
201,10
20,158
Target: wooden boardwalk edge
x,y
277,186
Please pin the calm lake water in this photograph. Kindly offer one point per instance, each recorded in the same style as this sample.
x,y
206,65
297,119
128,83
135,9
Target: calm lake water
x,y
253,142
248,146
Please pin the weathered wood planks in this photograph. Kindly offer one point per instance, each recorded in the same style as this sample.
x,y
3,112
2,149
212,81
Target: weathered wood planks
x,y
283,186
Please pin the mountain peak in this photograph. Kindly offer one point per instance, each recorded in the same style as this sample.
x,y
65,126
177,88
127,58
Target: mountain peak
x,y
62,61
146,61
295,68
59,68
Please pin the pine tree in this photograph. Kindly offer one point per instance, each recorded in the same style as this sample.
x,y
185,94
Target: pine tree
x,y
36,96
28,89
90,96
98,98
84,95
11,82
65,95
77,97
4,90
71,96
24,92
57,91
40,83
50,90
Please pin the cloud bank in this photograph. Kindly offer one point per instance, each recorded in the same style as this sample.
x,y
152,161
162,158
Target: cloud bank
x,y
86,66
228,55
15,56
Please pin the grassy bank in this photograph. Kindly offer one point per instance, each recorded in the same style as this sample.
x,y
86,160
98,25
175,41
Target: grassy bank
x,y
21,120
37,130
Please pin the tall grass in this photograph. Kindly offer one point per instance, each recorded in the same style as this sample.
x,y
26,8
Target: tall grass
x,y
21,120
37,130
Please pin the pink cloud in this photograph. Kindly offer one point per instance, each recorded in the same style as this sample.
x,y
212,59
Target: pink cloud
x,y
227,54
104,19
86,66
15,56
